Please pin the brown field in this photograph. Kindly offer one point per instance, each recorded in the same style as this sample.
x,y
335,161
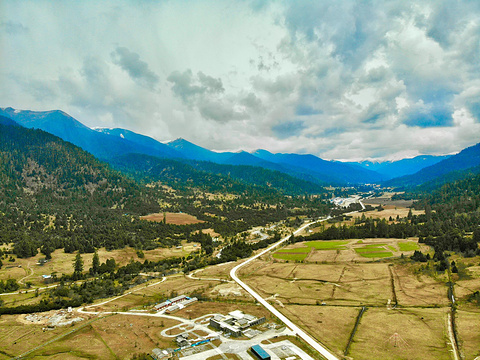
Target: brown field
x,y
173,218
211,232
329,325
202,308
468,328
17,338
351,284
468,278
418,289
401,334
220,271
390,210
115,337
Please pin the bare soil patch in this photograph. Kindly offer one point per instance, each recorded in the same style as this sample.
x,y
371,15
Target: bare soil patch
x,y
202,308
173,218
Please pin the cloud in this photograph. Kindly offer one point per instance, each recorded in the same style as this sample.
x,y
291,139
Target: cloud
x,y
339,79
207,95
288,129
136,68
13,28
187,86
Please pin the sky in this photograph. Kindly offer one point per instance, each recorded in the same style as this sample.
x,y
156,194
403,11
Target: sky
x,y
345,80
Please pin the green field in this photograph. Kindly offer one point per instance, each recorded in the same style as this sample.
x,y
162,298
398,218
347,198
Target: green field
x,y
373,251
407,245
327,245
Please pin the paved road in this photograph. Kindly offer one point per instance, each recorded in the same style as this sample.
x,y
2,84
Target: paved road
x,y
307,338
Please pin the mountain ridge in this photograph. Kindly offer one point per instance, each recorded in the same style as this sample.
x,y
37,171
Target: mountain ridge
x,y
105,143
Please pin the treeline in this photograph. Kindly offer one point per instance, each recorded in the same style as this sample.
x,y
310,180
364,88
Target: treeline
x,y
10,285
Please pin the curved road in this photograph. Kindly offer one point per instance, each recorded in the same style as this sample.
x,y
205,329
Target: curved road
x,y
307,338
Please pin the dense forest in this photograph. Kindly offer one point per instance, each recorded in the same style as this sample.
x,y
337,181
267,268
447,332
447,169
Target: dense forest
x,y
54,195
212,177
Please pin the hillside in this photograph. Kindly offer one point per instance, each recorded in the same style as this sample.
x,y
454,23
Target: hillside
x,y
49,184
109,143
466,159
213,177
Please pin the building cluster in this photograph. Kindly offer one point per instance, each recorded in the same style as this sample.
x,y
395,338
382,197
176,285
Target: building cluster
x,y
177,303
184,342
235,323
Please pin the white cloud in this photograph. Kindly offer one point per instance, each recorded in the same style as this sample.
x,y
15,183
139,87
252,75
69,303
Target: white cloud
x,y
349,79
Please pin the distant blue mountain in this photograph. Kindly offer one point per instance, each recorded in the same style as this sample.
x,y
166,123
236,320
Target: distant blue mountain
x,y
340,172
393,169
7,121
107,144
145,142
466,159
195,152
100,144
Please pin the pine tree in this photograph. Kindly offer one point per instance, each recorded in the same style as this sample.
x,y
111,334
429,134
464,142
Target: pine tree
x,y
95,264
77,267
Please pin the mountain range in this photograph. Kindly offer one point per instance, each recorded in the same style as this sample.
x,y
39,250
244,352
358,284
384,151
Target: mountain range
x,y
109,144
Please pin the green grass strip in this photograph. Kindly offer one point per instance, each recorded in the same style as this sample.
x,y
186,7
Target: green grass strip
x,y
327,245
407,246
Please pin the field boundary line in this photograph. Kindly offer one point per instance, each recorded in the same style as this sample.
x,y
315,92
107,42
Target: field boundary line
x,y
354,330
61,336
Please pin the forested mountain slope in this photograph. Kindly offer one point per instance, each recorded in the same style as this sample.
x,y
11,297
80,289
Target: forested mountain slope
x,y
213,177
55,195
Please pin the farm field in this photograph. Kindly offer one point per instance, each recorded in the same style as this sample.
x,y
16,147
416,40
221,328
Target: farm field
x,y
145,297
324,292
467,325
394,334
329,325
357,250
391,209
